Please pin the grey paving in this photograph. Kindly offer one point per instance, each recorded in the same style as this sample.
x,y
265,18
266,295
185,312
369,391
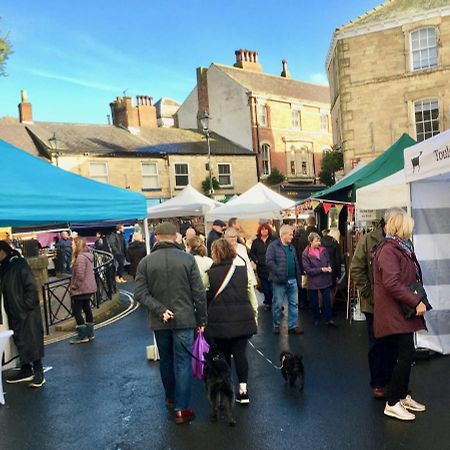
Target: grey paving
x,y
106,395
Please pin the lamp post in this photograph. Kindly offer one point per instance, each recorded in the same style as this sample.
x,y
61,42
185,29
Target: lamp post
x,y
53,141
204,121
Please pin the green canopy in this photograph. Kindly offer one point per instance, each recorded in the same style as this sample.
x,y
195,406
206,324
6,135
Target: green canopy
x,y
389,162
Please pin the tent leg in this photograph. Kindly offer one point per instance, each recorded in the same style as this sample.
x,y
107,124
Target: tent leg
x,y
147,235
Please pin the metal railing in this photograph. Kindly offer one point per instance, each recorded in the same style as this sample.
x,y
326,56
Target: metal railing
x,y
56,296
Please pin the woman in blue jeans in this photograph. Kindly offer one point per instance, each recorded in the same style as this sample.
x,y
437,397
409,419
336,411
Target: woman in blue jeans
x,y
317,266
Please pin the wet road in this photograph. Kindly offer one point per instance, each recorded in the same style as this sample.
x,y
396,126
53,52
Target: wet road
x,y
106,395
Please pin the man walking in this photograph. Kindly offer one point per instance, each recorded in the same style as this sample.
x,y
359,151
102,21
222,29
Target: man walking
x,y
216,232
118,247
285,273
168,283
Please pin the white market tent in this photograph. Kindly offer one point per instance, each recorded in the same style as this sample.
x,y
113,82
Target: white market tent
x,y
259,202
386,193
188,202
427,170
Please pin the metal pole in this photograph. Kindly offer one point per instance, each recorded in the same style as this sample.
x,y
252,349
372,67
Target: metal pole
x,y
147,235
211,188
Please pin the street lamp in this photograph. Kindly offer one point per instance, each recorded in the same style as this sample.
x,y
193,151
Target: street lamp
x,y
204,121
53,141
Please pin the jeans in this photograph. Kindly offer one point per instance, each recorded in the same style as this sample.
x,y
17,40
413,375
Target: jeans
x,y
266,286
176,365
120,261
382,357
281,292
314,297
397,388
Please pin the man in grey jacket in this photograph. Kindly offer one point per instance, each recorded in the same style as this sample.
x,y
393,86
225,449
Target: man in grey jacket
x,y
169,285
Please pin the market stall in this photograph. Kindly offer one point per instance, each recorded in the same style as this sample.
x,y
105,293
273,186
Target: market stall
x,y
427,171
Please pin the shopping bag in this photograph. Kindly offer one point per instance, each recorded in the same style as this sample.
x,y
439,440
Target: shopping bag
x,y
199,347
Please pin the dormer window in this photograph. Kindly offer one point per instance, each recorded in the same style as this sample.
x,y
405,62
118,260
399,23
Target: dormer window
x,y
423,48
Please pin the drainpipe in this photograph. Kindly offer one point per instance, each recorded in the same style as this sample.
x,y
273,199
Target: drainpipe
x,y
254,109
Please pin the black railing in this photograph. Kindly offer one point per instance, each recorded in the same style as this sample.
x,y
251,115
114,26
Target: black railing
x,y
57,301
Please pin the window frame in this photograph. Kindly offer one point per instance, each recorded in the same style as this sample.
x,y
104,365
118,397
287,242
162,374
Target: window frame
x,y
96,177
424,133
263,159
298,113
419,50
262,107
155,175
227,175
175,164
324,117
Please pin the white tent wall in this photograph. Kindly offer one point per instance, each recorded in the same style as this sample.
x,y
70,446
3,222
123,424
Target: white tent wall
x,y
431,212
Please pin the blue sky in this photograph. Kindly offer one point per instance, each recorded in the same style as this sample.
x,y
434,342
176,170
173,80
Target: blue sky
x,y
75,57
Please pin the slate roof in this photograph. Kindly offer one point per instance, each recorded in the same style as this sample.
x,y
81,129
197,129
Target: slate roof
x,y
392,9
265,84
15,133
108,140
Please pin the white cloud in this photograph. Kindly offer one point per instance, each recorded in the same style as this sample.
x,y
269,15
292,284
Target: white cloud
x,y
319,78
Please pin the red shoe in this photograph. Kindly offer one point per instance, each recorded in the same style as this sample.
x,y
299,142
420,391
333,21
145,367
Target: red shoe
x,y
184,416
378,392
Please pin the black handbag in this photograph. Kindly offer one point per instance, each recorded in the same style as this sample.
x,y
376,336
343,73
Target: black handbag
x,y
418,289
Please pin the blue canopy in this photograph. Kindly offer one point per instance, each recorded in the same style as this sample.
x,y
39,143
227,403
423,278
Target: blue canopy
x,y
34,192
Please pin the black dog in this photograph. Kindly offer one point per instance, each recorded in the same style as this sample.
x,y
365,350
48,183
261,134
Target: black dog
x,y
292,368
219,385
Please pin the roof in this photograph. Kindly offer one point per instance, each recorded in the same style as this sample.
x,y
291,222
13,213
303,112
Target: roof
x,y
392,9
265,84
15,133
108,140
389,162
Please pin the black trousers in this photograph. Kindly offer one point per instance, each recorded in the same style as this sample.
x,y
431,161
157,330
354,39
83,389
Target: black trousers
x,y
398,387
238,348
382,357
120,260
82,303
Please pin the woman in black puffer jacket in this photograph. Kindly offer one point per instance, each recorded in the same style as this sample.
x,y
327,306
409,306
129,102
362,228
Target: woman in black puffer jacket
x,y
231,313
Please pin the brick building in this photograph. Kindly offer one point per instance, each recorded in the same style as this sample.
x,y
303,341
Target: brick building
x,y
285,122
389,73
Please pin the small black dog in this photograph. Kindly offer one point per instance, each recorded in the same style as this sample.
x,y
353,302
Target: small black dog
x,y
292,368
219,385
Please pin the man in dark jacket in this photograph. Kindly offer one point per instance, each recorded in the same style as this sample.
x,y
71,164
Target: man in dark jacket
x,y
21,301
381,358
64,251
285,273
118,247
216,232
169,285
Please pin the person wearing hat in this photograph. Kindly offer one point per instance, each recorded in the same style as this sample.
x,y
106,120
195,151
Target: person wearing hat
x,y
169,285
216,232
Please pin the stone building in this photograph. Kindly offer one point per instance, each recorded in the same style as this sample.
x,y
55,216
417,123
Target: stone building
x,y
134,153
284,121
389,73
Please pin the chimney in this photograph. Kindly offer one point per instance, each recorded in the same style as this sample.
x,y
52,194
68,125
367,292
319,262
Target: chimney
x,y
25,109
202,93
285,73
247,60
126,115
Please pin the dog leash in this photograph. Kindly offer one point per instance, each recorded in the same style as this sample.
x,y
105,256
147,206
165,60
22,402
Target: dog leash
x,y
190,353
265,357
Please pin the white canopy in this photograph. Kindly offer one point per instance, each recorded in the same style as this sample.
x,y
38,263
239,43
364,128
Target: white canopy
x,y
386,193
188,202
259,202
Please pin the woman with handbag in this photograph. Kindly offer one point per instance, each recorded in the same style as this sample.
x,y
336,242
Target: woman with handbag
x,y
232,312
395,273
82,286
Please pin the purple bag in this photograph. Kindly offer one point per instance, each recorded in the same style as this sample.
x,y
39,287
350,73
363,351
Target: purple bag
x,y
199,347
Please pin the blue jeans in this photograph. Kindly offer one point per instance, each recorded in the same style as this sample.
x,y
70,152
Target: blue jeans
x,y
176,365
281,292
266,286
314,298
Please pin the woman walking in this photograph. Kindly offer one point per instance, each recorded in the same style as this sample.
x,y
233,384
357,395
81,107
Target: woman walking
x,y
20,296
82,287
232,318
317,266
396,274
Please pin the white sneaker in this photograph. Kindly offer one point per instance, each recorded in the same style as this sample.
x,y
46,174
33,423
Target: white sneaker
x,y
411,404
398,411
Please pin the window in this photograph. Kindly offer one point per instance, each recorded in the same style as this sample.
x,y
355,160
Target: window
x,y
296,119
427,118
224,170
98,171
262,115
423,48
265,151
181,174
304,168
324,122
150,176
